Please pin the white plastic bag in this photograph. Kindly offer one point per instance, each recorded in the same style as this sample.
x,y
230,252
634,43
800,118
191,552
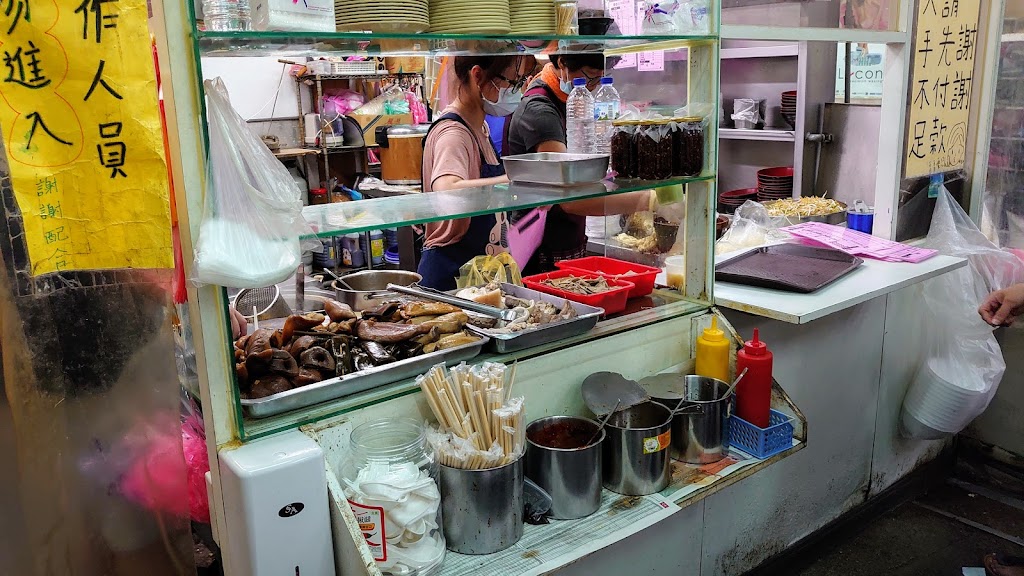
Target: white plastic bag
x,y
959,377
751,227
252,213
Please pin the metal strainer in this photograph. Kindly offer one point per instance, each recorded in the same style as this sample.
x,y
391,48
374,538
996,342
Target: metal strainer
x,y
252,302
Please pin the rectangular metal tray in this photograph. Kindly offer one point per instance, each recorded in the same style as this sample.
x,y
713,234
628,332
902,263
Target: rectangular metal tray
x,y
339,386
502,343
556,168
790,267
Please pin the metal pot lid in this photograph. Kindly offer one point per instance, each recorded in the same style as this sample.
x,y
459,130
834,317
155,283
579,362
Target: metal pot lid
x,y
602,391
665,386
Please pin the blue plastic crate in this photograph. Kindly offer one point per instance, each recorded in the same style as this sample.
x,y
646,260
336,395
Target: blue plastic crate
x,y
762,442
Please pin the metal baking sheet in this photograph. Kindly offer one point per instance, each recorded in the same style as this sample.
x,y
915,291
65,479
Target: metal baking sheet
x,y
546,333
790,267
556,168
339,386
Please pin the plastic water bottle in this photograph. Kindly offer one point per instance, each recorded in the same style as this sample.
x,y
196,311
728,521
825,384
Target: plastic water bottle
x,y
606,107
579,121
227,15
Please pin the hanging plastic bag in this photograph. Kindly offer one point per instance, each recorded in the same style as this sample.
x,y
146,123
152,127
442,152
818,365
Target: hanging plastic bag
x,y
252,213
964,365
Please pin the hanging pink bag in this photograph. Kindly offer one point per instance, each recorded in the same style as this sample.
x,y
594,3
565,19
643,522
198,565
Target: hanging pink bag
x,y
524,237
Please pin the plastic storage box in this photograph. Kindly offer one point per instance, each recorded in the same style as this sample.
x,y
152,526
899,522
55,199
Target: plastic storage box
x,y
613,301
762,442
642,276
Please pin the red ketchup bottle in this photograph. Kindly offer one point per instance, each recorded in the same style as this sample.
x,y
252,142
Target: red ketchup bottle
x,y
754,392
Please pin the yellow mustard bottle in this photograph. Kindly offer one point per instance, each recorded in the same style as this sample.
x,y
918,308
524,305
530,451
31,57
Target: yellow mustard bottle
x,y
713,353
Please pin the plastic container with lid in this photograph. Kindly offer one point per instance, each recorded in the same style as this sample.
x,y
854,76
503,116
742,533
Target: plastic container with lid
x,y
688,146
713,353
391,482
642,277
623,148
754,392
567,18
318,196
613,301
654,150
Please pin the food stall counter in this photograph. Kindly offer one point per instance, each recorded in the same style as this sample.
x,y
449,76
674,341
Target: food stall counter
x,y
872,279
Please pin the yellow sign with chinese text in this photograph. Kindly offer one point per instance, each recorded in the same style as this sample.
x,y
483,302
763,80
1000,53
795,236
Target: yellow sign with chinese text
x,y
82,131
945,47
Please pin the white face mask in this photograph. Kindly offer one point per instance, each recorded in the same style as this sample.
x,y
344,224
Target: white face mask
x,y
508,101
564,85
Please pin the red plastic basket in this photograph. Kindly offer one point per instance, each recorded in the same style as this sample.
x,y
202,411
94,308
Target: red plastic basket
x,y
613,301
642,276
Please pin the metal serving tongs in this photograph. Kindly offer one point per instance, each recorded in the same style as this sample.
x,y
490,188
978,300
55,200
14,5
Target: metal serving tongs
x,y
504,316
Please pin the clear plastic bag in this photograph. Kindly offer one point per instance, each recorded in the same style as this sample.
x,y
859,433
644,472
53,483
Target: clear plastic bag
x,y
751,227
747,110
964,365
252,214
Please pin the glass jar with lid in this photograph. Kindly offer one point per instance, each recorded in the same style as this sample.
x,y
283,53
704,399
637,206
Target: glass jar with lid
x,y
391,482
688,146
654,150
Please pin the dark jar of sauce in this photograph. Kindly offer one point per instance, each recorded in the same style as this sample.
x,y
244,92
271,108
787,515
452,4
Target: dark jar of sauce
x,y
688,146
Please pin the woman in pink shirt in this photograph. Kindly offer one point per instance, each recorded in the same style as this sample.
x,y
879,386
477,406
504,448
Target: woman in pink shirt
x,y
458,153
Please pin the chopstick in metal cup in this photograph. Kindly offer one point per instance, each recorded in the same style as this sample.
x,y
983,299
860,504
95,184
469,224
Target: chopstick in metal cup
x,y
602,423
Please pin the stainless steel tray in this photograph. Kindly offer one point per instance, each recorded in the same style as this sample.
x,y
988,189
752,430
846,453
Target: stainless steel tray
x,y
556,168
500,342
339,386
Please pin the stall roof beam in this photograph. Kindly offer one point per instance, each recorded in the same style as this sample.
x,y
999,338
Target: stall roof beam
x,y
808,34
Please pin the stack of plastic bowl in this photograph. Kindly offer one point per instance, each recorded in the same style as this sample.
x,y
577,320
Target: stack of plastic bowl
x,y
936,407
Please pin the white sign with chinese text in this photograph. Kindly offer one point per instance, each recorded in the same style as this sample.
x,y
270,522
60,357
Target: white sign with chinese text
x,y
945,48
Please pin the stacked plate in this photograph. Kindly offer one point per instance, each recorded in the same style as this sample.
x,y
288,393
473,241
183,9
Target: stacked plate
x,y
789,108
774,183
462,17
532,16
729,201
382,16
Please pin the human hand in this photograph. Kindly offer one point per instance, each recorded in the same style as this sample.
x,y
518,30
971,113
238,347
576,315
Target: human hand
x,y
1002,307
239,325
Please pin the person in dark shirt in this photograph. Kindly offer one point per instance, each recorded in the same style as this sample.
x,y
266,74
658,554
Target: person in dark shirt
x,y
538,125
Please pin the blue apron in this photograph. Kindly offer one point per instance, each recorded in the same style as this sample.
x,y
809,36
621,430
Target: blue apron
x,y
440,265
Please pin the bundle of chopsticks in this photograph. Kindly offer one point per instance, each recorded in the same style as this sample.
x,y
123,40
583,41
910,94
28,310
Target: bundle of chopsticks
x,y
480,424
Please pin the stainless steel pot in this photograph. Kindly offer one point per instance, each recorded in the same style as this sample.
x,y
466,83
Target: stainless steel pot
x,y
369,288
571,475
699,427
636,455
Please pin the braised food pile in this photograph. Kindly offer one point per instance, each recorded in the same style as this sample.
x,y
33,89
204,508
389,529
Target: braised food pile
x,y
313,347
529,313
